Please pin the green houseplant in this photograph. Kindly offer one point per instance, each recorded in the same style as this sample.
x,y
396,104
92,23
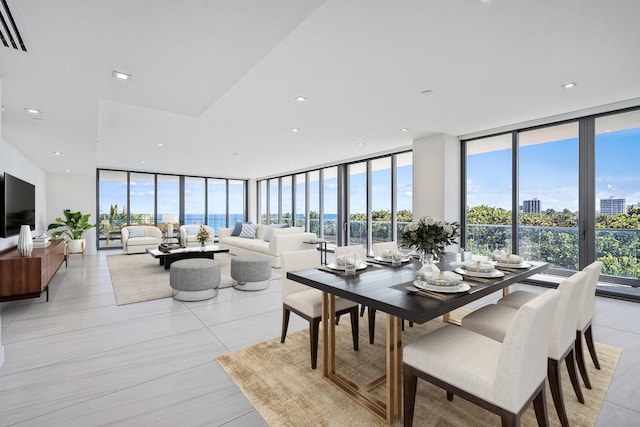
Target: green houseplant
x,y
72,228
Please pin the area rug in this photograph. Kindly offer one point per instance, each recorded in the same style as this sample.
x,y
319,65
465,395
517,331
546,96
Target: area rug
x,y
139,277
279,382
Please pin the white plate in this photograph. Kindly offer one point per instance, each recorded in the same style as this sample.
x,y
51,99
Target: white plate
x,y
491,275
381,259
523,264
460,287
335,266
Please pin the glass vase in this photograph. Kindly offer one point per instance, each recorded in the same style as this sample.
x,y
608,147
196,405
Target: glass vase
x,y
426,259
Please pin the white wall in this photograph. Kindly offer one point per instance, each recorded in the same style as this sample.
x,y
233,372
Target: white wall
x,y
76,193
15,163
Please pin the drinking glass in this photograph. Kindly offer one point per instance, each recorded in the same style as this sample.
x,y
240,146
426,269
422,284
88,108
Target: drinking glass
x,y
396,259
350,264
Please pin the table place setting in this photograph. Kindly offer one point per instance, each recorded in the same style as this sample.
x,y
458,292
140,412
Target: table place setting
x,y
476,270
391,258
508,262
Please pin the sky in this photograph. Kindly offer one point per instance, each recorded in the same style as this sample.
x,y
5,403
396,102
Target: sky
x,y
549,172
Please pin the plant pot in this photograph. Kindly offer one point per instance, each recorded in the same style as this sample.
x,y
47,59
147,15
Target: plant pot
x,y
76,246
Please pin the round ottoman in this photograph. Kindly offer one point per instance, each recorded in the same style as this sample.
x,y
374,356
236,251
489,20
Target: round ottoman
x,y
194,279
250,272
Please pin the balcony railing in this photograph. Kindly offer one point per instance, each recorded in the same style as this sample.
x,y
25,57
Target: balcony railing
x,y
618,249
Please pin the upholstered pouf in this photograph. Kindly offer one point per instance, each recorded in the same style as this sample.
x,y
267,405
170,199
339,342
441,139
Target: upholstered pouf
x,y
194,279
250,272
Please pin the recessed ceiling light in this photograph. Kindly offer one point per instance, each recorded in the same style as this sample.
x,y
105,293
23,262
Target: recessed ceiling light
x,y
235,154
37,119
426,92
569,85
143,162
32,111
120,75
68,171
359,144
4,108
160,144
404,130
57,153
300,98
204,167
295,130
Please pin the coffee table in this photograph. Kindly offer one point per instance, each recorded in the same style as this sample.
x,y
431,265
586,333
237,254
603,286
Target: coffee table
x,y
166,258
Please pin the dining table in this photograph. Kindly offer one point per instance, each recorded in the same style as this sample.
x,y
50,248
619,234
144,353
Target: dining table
x,y
382,287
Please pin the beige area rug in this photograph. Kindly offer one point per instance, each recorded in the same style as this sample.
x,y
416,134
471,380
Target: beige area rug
x,y
279,382
139,277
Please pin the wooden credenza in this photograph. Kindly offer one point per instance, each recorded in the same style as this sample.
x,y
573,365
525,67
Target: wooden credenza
x,y
28,277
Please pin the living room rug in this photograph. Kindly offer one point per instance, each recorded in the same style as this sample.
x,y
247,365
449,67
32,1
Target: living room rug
x,y
139,277
278,380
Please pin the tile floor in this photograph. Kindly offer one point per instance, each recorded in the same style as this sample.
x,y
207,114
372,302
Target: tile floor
x,y
80,360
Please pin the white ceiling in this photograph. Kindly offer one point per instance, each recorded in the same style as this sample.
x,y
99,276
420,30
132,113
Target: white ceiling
x,y
215,81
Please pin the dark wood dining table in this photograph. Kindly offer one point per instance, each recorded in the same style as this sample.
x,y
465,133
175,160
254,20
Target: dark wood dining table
x,y
382,288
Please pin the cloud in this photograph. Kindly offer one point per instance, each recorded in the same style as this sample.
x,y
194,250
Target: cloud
x,y
611,187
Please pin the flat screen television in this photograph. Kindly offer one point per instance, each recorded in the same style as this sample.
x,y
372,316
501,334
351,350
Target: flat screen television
x,y
18,205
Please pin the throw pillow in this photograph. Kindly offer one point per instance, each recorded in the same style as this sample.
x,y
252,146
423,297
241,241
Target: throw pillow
x,y
238,228
136,232
269,232
249,230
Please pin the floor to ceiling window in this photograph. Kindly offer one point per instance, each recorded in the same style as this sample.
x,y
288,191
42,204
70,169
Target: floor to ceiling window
x,y
300,201
112,206
216,204
617,194
168,198
381,200
370,197
358,204
489,194
548,195
142,190
194,200
578,195
404,190
127,197
274,201
329,215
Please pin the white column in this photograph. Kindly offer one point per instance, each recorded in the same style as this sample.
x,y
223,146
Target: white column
x,y
436,177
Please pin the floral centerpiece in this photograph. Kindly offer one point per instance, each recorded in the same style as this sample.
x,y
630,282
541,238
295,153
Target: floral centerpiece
x,y
428,236
203,235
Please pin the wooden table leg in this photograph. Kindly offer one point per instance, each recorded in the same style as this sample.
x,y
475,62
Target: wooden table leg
x,y
328,334
394,368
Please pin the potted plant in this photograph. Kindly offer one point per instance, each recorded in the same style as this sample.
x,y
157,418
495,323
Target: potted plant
x,y
72,227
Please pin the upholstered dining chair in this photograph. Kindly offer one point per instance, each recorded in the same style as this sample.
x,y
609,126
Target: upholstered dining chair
x,y
306,302
381,247
586,310
359,250
493,321
501,377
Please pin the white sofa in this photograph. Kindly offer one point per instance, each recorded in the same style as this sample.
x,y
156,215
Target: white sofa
x,y
152,237
281,240
189,235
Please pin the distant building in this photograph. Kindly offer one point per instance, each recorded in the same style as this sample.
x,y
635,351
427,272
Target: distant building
x,y
531,206
613,206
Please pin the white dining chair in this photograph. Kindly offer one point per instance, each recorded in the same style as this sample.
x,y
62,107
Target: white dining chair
x,y
381,247
306,302
502,377
586,309
494,320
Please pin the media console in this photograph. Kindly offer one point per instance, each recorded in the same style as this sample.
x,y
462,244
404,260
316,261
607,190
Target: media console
x,y
27,277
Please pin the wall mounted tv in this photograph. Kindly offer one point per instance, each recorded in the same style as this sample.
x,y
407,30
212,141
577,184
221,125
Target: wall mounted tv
x,y
18,205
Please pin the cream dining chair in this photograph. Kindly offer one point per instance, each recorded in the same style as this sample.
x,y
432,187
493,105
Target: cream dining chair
x,y
306,302
503,378
494,320
379,248
586,309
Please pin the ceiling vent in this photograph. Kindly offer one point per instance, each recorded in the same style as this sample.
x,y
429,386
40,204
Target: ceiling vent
x,y
9,34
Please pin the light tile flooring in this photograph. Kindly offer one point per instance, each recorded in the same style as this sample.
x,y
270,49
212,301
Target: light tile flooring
x,y
80,360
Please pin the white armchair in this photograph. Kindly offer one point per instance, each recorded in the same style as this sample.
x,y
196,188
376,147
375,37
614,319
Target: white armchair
x,y
189,235
136,239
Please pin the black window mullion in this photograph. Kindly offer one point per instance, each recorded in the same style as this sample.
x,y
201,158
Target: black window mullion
x,y
515,193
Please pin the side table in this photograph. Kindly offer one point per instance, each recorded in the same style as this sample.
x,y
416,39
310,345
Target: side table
x,y
322,245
